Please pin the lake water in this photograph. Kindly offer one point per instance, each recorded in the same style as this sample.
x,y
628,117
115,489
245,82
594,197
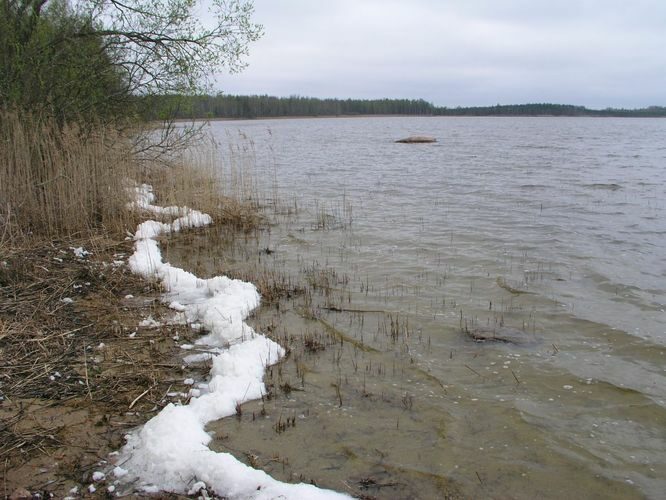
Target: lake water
x,y
553,227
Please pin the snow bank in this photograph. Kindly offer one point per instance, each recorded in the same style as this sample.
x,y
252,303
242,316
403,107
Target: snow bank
x,y
170,452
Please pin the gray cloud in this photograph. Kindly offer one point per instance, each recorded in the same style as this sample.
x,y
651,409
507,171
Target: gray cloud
x,y
593,52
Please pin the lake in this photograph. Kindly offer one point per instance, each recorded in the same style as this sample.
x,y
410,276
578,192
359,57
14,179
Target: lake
x,y
550,229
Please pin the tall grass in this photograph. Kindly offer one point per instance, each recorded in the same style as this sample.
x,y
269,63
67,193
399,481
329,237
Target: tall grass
x,y
220,183
70,182
61,181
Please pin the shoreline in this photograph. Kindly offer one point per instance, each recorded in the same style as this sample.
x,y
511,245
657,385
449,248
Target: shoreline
x,y
172,449
327,117
166,443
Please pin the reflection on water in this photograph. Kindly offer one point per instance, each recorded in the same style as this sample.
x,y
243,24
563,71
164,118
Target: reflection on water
x,y
552,227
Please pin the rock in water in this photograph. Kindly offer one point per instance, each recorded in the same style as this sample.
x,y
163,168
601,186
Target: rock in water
x,y
417,139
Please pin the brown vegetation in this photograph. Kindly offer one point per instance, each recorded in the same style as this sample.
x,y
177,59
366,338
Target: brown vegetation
x,y
76,370
61,181
75,361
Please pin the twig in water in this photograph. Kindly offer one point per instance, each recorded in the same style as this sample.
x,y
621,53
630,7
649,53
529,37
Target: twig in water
x,y
344,309
473,370
338,393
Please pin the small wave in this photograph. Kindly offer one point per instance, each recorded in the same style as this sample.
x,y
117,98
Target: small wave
x,y
609,187
542,147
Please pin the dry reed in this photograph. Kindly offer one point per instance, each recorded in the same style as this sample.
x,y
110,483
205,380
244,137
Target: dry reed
x,y
68,327
201,177
61,181
65,181
200,186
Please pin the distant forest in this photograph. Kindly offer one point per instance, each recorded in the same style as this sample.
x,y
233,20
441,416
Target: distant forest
x,y
263,106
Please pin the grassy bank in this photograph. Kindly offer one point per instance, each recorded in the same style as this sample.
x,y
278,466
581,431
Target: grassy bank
x,y
80,364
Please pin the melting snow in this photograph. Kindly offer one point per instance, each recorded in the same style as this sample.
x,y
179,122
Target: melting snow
x,y
149,322
80,252
170,451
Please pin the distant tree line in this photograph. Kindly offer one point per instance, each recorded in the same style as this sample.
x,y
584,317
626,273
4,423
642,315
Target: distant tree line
x,y
546,109
264,106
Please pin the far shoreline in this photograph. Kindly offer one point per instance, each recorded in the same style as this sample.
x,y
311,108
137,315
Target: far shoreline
x,y
262,107
314,117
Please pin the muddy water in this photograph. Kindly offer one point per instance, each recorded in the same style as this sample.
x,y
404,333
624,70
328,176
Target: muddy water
x,y
552,228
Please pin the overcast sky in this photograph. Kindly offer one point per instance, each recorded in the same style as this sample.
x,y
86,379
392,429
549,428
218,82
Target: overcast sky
x,y
596,53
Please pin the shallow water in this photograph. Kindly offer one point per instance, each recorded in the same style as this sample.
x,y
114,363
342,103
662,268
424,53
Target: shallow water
x,y
551,226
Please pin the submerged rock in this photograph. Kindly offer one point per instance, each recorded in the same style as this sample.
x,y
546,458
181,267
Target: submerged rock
x,y
501,282
501,334
417,139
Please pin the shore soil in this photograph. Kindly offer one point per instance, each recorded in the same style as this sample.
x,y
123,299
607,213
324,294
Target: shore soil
x,y
77,372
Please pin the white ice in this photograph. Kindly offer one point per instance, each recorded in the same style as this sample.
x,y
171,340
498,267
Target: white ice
x,y
80,252
170,452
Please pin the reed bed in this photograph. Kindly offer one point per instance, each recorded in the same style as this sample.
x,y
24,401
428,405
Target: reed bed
x,y
200,184
63,181
76,371
66,181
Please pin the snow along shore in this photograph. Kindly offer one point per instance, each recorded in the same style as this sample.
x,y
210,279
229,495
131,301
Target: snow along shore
x,y
170,452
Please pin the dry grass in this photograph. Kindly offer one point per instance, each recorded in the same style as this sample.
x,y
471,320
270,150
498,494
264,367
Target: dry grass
x,y
72,379
201,186
61,181
70,373
64,182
